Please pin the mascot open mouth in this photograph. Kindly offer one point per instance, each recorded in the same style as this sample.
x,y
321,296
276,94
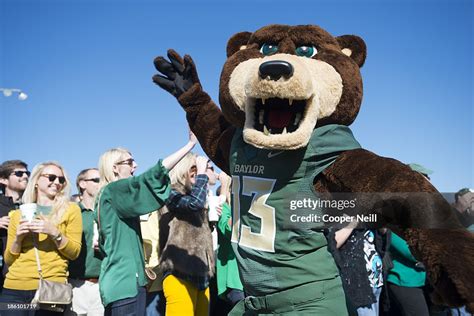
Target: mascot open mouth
x,y
278,116
278,122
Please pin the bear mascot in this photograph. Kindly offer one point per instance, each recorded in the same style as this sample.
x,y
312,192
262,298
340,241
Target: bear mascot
x,y
287,96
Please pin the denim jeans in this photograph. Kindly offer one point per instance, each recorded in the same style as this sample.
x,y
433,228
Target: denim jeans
x,y
460,311
155,304
131,306
234,296
371,310
12,299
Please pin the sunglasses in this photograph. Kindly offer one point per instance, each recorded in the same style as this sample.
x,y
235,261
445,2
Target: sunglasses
x,y
129,162
96,180
52,178
20,173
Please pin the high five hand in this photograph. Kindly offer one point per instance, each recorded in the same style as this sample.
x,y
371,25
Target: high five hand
x,y
176,75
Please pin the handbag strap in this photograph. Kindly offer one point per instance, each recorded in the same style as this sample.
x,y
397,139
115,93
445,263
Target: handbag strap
x,y
40,272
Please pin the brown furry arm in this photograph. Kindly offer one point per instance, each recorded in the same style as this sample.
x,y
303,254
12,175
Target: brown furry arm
x,y
405,198
208,123
412,207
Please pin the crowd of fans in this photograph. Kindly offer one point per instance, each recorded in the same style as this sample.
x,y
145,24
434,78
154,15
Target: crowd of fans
x,y
148,244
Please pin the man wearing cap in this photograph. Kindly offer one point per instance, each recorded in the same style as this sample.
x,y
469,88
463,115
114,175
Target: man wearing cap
x,y
13,180
421,169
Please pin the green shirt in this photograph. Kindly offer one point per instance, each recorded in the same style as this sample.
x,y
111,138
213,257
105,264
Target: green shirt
x,y
404,272
44,210
272,255
87,265
226,265
120,205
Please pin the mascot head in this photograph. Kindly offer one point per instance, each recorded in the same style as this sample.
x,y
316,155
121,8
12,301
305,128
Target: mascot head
x,y
282,82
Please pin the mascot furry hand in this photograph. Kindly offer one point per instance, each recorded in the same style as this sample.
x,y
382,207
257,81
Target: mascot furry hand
x,y
287,95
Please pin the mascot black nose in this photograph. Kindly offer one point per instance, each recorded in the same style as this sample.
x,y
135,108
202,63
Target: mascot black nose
x,y
275,69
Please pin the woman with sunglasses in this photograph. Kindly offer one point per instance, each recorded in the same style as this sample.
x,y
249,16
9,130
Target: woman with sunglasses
x,y
55,231
121,200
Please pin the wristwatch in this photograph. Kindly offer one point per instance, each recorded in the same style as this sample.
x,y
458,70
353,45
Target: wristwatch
x,y
58,237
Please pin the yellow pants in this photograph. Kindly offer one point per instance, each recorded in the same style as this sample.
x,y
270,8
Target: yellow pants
x,y
183,298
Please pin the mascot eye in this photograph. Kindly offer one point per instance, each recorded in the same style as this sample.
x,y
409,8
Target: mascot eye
x,y
306,51
268,49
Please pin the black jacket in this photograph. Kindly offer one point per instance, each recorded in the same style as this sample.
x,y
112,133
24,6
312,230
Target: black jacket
x,y
350,260
6,205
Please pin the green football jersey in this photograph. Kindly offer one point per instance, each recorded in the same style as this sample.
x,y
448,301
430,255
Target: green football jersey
x,y
273,255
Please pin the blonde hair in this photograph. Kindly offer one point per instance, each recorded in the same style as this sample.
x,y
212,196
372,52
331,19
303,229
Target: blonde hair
x,y
107,162
179,174
61,200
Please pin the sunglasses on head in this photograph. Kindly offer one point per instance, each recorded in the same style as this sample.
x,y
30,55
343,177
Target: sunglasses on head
x,y
20,173
52,178
96,180
128,161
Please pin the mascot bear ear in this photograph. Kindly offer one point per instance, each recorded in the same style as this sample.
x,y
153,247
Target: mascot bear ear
x,y
354,47
237,42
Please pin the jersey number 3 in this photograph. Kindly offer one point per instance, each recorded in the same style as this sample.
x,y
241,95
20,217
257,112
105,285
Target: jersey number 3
x,y
258,238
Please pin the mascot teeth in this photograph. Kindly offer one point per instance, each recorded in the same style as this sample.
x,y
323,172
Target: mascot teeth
x,y
265,130
297,118
278,116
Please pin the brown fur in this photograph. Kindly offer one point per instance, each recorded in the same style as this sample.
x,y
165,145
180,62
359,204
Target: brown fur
x,y
186,243
288,39
236,42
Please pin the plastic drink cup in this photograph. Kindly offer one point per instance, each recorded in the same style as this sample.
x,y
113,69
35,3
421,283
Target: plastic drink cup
x,y
28,211
214,202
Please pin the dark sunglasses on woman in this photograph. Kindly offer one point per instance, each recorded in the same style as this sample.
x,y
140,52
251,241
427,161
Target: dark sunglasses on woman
x,y
52,178
129,162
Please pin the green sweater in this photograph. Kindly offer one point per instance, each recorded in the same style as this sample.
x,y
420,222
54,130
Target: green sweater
x,y
120,205
404,272
227,270
87,265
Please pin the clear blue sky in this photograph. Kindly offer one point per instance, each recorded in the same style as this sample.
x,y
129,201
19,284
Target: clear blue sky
x,y
87,67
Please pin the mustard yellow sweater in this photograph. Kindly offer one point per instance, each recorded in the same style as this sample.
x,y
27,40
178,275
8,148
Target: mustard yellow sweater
x,y
23,272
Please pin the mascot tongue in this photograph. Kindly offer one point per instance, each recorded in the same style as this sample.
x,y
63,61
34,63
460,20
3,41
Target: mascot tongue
x,y
279,118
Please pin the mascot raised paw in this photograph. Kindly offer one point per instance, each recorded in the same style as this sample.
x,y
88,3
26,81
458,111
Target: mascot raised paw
x,y
287,96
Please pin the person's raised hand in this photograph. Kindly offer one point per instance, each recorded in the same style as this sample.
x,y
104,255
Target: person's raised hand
x,y
201,164
192,138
